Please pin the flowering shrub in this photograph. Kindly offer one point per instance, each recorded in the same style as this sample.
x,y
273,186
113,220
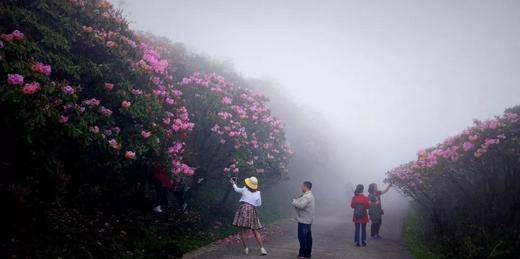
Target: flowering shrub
x,y
237,131
467,186
88,106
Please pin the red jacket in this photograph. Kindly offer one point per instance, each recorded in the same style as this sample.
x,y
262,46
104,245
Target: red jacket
x,y
360,199
160,173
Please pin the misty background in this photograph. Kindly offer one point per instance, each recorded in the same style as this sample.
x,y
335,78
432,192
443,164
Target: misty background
x,y
378,79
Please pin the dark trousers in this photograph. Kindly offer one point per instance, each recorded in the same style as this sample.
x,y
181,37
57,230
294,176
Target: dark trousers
x,y
360,227
161,196
305,238
374,228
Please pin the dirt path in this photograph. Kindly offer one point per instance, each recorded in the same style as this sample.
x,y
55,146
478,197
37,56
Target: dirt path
x,y
332,238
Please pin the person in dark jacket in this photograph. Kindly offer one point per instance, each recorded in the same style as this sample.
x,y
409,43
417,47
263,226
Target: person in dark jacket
x,y
376,211
360,204
162,183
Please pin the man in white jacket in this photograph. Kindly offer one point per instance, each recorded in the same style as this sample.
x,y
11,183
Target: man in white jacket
x,y
304,206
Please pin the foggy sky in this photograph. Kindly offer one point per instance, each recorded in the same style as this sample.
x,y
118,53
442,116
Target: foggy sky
x,y
391,77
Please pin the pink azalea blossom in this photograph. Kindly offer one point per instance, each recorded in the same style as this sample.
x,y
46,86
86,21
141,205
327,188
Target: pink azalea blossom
x,y
105,111
146,134
110,44
63,119
31,88
17,35
109,86
87,29
91,102
14,79
130,154
68,90
41,68
468,146
113,144
125,104
94,129
227,100
169,101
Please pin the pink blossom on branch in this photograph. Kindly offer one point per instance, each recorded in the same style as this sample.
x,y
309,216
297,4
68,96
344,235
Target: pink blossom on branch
x,y
41,68
31,88
14,79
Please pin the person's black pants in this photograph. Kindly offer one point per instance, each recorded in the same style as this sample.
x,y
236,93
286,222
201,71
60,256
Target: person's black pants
x,y
375,227
161,196
360,227
305,238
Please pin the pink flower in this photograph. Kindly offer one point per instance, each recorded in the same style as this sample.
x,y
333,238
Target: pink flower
x,y
169,101
126,104
130,155
31,88
87,29
468,146
146,134
94,129
137,91
91,102
227,100
109,86
177,93
41,68
473,137
106,112
68,90
63,119
113,144
14,79
110,44
7,37
17,35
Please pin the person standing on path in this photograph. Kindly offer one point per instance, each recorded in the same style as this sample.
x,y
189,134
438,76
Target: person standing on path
x,y
376,211
246,216
360,204
304,206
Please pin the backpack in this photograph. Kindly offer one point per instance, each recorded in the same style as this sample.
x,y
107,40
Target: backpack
x,y
360,211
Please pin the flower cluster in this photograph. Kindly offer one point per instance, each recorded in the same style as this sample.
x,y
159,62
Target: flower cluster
x,y
472,144
242,124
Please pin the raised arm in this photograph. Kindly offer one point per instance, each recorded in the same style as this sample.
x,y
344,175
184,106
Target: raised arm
x,y
239,190
387,188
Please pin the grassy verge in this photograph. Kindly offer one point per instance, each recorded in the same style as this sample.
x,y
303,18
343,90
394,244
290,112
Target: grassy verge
x,y
415,237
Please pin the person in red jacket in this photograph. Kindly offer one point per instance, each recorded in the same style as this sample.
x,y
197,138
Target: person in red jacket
x,y
162,183
360,204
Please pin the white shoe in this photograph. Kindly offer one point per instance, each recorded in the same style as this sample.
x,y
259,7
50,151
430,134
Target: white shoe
x,y
263,251
246,251
157,209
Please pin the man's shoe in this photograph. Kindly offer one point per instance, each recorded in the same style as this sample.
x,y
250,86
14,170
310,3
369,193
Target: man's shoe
x,y
357,244
364,243
379,237
157,209
246,251
263,251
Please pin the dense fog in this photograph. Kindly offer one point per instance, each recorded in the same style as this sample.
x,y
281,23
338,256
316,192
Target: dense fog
x,y
375,80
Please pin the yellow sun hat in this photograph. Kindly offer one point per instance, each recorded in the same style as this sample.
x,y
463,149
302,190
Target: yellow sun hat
x,y
251,182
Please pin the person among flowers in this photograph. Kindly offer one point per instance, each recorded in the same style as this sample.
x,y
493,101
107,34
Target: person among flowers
x,y
376,211
246,217
162,185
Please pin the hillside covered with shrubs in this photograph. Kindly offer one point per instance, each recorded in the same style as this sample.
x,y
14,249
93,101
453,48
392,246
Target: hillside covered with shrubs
x,y
89,107
466,190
